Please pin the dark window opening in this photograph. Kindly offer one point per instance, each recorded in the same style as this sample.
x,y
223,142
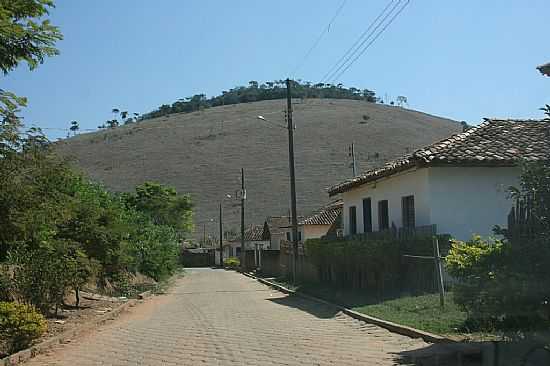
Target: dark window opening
x,y
383,215
288,236
352,220
367,216
407,204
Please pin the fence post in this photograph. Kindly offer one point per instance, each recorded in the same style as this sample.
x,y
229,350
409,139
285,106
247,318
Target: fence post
x,y
439,272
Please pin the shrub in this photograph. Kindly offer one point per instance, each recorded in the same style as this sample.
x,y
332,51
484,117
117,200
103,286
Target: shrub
x,y
43,276
375,263
5,284
19,325
232,262
475,264
494,288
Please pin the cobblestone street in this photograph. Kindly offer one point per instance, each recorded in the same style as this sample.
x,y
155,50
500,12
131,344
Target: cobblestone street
x,y
217,317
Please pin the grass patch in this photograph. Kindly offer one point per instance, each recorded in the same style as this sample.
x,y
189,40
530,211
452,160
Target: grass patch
x,y
421,312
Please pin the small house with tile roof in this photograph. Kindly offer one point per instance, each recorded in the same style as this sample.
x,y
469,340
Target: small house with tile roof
x,y
278,229
320,223
255,237
459,184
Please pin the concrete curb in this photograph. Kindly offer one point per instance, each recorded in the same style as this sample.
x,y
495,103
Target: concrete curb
x,y
35,350
392,327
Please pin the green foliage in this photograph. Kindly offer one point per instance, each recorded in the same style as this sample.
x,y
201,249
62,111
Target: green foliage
x,y
420,312
472,258
372,263
5,284
156,250
59,229
475,264
19,325
232,262
255,92
163,205
43,275
24,37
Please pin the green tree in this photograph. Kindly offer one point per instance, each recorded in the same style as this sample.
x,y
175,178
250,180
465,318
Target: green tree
x,y
74,127
163,205
24,37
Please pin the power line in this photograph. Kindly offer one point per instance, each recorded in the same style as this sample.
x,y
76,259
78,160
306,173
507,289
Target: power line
x,y
373,40
316,43
332,69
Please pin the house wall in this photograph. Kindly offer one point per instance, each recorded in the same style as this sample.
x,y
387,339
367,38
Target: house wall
x,y
461,201
275,242
411,182
313,231
467,201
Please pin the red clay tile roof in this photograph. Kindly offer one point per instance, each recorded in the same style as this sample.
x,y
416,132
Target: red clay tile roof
x,y
493,143
326,216
254,233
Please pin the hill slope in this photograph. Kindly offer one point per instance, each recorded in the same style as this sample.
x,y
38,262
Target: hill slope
x,y
202,152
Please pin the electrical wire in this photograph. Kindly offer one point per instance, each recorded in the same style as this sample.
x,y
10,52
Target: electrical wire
x,y
373,40
332,69
321,35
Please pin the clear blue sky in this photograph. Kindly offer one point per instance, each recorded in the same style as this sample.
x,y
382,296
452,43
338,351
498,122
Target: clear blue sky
x,y
460,59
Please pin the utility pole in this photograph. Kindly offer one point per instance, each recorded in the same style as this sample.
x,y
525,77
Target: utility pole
x,y
352,154
221,236
292,180
243,197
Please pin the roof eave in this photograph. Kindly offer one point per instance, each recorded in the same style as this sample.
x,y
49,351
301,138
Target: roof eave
x,y
346,187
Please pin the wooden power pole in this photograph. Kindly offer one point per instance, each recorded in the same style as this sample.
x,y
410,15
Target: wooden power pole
x,y
353,161
221,236
243,198
292,179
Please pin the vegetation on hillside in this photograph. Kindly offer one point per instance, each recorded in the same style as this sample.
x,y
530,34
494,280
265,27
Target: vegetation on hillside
x,y
60,229
255,92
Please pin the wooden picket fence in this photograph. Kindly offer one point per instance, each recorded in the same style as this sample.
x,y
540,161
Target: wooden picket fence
x,y
522,221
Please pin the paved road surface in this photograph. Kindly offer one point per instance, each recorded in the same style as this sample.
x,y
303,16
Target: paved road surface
x,y
217,317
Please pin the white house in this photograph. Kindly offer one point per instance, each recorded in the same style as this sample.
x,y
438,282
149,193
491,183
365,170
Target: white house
x,y
460,184
255,238
321,222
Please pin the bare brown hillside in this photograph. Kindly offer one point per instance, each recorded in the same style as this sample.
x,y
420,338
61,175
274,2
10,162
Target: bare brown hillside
x,y
202,152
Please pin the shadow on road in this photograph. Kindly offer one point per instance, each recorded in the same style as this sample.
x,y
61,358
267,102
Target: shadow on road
x,y
459,354
442,354
314,308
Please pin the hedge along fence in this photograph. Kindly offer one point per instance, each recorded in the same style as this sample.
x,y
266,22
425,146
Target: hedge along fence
x,y
375,263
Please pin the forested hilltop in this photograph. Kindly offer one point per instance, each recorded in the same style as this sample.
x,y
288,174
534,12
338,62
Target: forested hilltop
x,y
269,90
